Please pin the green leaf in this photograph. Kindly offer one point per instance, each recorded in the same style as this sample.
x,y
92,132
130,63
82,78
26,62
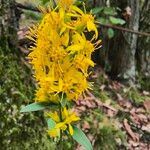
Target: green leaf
x,y
44,1
102,20
34,107
51,124
64,102
115,20
110,33
97,10
81,138
110,11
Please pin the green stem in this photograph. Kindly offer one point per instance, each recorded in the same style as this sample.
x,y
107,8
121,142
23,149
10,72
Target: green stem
x,y
60,140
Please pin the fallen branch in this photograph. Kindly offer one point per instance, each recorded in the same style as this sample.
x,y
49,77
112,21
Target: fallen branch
x,y
27,7
33,8
123,29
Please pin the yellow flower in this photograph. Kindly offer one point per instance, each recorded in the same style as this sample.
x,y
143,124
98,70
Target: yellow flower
x,y
61,54
82,21
65,3
64,123
54,132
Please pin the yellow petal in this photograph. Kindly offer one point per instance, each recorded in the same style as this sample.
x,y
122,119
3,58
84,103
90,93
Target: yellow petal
x,y
70,129
90,62
60,84
75,8
74,117
54,132
74,48
72,15
65,39
65,113
91,27
61,125
54,116
62,30
62,13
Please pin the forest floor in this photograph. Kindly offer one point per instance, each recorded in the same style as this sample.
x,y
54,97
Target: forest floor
x,y
114,116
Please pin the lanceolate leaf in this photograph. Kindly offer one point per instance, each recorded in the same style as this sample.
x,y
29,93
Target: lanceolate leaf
x,y
34,107
51,124
115,20
64,102
97,10
81,138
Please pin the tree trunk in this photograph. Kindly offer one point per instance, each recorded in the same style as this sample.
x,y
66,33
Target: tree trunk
x,y
8,25
99,56
123,46
143,51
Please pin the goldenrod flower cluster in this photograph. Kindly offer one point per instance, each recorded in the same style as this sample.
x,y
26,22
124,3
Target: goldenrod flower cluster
x,y
61,56
68,117
61,53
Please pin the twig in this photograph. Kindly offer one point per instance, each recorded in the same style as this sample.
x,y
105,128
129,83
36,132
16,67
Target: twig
x,y
124,29
27,7
32,8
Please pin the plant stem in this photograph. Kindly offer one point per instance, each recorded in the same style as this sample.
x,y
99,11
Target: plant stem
x,y
60,140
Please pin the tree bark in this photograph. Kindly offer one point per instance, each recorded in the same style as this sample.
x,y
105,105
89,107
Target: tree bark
x,y
123,46
143,51
99,56
8,26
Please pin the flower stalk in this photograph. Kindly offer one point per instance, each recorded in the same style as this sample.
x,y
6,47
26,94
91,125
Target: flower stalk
x,y
60,143
60,57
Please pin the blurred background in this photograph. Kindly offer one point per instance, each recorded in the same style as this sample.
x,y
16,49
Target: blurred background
x,y
115,114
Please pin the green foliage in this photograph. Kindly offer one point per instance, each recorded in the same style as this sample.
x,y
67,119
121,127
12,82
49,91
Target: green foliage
x,y
110,33
107,138
51,123
134,95
145,83
81,138
34,107
108,135
114,20
78,135
44,2
33,15
108,15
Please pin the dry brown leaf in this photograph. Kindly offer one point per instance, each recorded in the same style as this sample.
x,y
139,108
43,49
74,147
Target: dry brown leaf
x,y
110,107
125,103
146,128
102,87
147,105
134,144
120,98
133,135
135,118
85,125
140,110
116,85
143,118
146,93
110,113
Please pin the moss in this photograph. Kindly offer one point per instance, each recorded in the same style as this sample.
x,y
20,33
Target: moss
x,y
19,131
134,95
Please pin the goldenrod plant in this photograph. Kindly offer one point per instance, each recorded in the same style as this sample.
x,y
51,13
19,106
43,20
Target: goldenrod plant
x,y
60,57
